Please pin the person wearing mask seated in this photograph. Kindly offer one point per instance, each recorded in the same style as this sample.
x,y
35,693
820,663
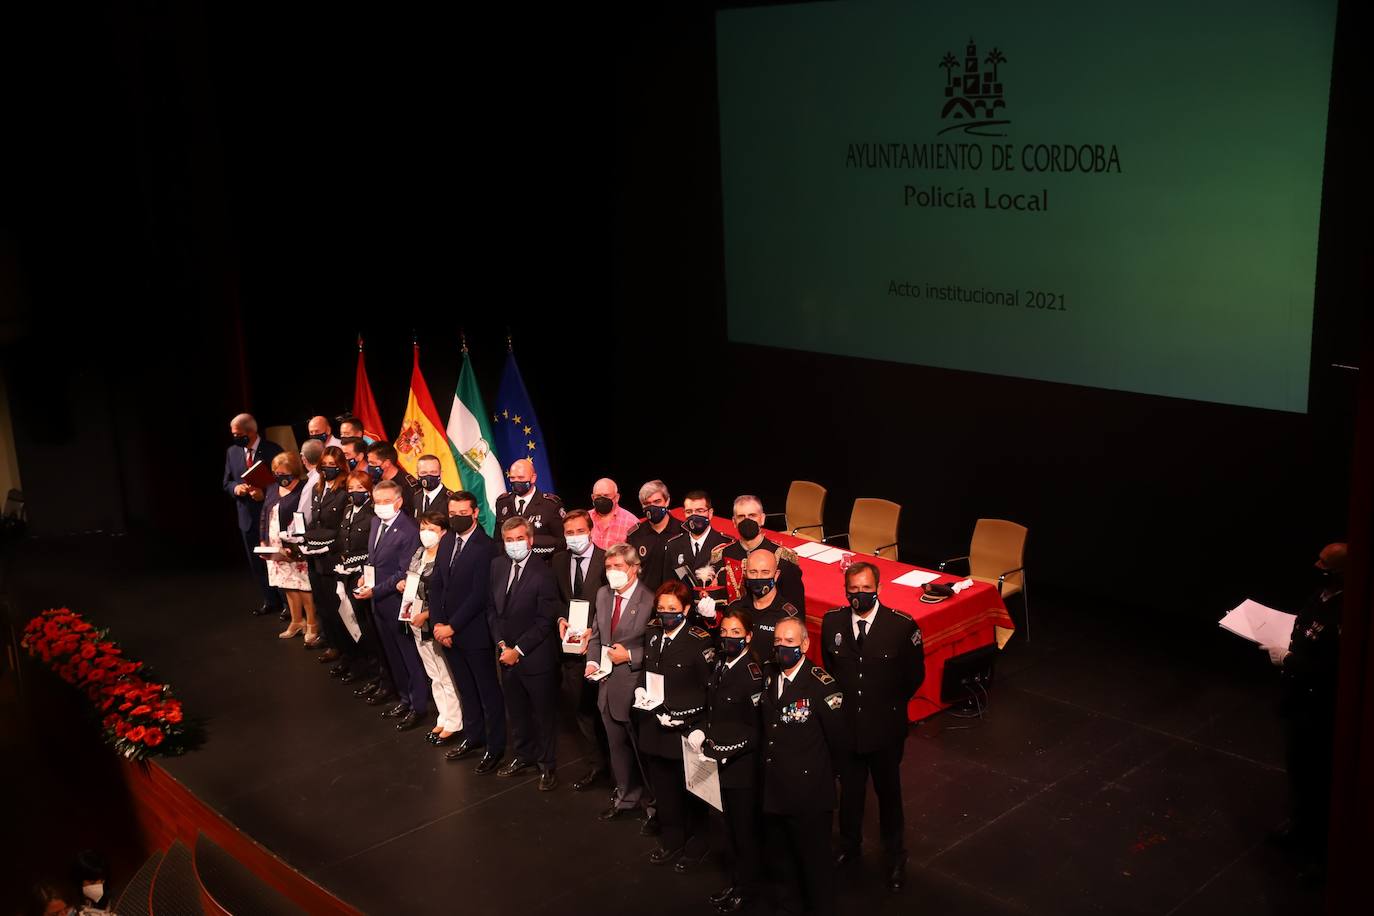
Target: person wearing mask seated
x,y
649,536
327,500
285,569
432,495
433,527
611,524
320,431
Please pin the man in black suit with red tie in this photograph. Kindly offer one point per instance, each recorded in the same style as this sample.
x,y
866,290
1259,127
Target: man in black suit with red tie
x,y
247,449
581,571
459,591
523,614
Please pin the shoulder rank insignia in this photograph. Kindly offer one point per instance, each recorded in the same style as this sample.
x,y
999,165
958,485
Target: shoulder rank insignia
x,y
755,673
698,632
717,551
653,622
916,636
835,700
790,609
554,497
410,479
822,675
788,554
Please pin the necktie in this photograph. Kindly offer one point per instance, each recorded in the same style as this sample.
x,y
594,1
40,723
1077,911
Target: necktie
x,y
520,507
863,631
380,532
696,551
514,578
615,614
247,458
579,576
457,549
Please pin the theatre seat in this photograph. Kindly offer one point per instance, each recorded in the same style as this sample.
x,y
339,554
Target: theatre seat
x,y
872,528
806,510
997,556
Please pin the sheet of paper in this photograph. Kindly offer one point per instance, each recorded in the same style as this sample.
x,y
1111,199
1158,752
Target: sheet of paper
x,y
605,665
653,689
1259,624
346,614
811,548
830,555
412,587
702,775
369,577
297,525
266,550
916,578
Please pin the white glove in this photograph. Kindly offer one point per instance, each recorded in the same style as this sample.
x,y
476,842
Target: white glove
x,y
706,607
640,695
667,721
696,739
1276,654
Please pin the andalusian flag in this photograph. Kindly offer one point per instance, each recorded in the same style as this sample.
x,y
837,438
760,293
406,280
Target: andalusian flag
x,y
422,433
470,434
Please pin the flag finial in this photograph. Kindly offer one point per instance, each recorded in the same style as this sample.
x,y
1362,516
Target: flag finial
x,y
509,347
360,342
414,339
463,336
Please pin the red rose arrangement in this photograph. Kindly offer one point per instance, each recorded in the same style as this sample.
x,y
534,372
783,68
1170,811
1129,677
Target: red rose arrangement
x,y
140,717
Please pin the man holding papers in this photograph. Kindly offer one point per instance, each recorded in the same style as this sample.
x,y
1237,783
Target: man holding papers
x,y
623,608
581,571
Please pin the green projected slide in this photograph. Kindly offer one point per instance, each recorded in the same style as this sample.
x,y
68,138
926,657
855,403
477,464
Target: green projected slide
x,y
1117,195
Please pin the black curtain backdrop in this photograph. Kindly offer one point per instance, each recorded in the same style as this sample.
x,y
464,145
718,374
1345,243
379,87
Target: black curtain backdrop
x,y
207,204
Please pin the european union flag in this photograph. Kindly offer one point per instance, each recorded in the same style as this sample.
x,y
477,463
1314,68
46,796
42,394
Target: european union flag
x,y
515,428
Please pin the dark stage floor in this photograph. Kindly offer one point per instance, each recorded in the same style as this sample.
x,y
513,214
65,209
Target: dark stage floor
x,y
1127,765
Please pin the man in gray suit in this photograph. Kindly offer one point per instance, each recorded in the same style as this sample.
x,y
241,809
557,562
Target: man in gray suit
x,y
623,608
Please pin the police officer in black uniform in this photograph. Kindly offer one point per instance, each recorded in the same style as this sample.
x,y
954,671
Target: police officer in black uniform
x,y
382,465
432,495
730,736
350,552
805,730
649,536
328,499
1309,663
877,658
764,602
748,519
697,548
684,655
544,511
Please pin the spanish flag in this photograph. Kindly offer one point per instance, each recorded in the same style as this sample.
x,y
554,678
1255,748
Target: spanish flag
x,y
422,432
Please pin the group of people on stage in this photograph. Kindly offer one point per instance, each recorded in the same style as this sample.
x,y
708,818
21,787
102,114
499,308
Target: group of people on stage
x,y
657,639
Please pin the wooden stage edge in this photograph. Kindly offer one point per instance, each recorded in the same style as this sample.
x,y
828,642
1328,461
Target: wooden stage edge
x,y
168,811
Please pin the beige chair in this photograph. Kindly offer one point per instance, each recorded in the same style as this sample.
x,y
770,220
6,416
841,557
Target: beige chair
x,y
872,528
805,516
283,436
997,556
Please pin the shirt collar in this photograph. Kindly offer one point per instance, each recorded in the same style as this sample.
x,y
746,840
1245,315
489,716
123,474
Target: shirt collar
x,y
731,663
673,635
625,595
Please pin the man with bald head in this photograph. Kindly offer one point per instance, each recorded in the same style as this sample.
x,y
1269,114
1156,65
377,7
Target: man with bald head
x,y
320,430
246,450
764,601
1309,663
610,523
543,511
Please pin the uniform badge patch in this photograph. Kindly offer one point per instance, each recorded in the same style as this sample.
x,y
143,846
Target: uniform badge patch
x,y
538,522
653,640
835,700
562,512
756,697
709,654
505,510
839,638
916,637
643,551
755,673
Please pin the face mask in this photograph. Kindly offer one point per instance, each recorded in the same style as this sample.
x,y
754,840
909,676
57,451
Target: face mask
x,y
617,578
241,441
655,514
430,482
758,587
520,487
517,550
603,505
94,892
284,480
376,471
353,464
578,543
863,602
330,474
747,528
459,524
385,511
429,538
697,524
670,619
358,497
319,437
732,645
787,656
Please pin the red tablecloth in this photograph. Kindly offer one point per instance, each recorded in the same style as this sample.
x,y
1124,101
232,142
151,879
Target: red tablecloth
x,y
960,624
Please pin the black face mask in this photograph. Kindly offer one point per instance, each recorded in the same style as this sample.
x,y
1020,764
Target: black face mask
x,y
459,524
358,497
431,482
732,645
759,587
697,524
241,441
353,464
748,529
603,505
655,514
520,487
319,437
787,656
670,621
863,602
329,473
284,480
375,470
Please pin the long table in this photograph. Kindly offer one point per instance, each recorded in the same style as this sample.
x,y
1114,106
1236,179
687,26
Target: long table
x,y
967,621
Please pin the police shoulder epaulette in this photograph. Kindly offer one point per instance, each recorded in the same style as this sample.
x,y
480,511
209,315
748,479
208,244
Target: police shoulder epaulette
x,y
788,554
553,496
755,672
410,479
699,633
837,610
822,675
790,609
654,622
900,613
680,534
633,529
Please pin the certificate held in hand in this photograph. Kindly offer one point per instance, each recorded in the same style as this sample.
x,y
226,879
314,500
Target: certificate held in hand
x,y
576,637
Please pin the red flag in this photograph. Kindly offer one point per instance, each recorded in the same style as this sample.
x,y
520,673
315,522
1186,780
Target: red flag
x,y
364,404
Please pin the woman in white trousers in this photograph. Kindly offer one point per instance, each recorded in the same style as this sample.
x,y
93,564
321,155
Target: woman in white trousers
x,y
450,720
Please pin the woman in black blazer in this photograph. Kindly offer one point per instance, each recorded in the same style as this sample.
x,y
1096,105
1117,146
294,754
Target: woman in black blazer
x,y
328,498
349,557
285,569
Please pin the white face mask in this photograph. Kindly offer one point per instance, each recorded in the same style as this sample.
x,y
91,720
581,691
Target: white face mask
x,y
578,543
617,578
429,538
385,511
517,550
94,892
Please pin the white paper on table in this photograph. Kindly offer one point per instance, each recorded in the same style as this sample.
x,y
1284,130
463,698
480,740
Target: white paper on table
x,y
605,667
653,692
369,577
346,614
578,614
264,551
811,548
830,555
916,578
702,775
1259,624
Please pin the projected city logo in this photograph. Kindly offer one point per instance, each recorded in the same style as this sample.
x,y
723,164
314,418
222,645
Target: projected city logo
x,y
974,100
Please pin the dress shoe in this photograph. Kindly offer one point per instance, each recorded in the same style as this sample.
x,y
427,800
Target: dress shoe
x,y
395,712
661,856
367,689
720,897
613,813
463,749
548,780
845,856
328,655
650,826
284,615
488,763
408,721
732,904
338,669
688,862
381,697
586,782
440,739
896,878
264,610
432,736
515,766
349,676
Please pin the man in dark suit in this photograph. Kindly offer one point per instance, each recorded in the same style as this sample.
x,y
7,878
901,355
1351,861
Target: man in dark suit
x,y
581,571
877,658
432,495
523,612
459,591
393,540
247,449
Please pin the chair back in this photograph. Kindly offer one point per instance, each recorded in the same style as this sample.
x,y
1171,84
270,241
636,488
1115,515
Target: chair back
x,y
283,436
805,510
998,545
873,527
